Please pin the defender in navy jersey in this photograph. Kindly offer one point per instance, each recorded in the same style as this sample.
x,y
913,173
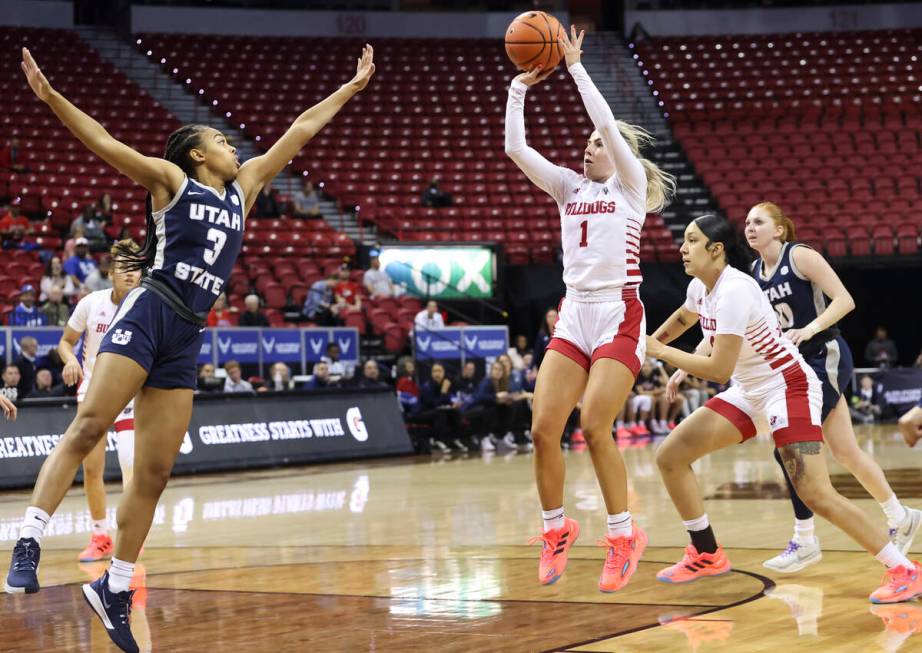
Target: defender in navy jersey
x,y
797,281
198,197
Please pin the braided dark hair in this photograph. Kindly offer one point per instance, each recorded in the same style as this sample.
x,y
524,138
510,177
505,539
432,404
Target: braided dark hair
x,y
720,230
178,146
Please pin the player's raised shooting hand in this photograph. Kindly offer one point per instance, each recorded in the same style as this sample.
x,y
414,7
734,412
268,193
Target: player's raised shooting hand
x,y
35,77
533,76
364,69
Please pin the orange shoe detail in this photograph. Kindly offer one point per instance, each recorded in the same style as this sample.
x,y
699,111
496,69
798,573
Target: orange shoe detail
x,y
622,558
899,584
578,437
695,565
622,433
99,548
554,553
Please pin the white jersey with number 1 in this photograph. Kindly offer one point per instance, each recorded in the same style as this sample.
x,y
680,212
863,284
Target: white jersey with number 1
x,y
91,317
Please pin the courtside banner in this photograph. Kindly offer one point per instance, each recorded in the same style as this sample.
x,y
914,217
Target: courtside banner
x,y
231,432
460,343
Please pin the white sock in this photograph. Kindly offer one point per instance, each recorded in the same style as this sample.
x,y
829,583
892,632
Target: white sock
x,y
894,510
120,573
620,525
803,530
891,557
698,524
553,519
34,523
100,527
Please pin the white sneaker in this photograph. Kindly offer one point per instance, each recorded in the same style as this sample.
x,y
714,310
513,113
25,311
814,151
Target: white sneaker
x,y
486,444
903,535
796,557
438,446
509,440
458,445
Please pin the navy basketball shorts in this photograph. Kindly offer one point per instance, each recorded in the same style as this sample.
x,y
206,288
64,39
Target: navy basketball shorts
x,y
834,367
149,332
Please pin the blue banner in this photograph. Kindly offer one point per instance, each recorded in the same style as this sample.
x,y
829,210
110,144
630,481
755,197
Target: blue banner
x,y
281,345
206,353
315,344
348,341
241,345
47,337
461,343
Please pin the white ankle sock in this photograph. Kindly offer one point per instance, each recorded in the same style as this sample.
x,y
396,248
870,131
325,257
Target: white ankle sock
x,y
620,524
891,557
34,523
100,527
804,530
120,573
553,519
894,510
698,524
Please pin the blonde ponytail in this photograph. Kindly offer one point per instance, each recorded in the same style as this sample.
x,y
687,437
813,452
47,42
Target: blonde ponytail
x,y
661,185
780,219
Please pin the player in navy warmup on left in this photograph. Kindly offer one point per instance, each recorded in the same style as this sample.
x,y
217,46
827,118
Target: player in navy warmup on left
x,y
199,196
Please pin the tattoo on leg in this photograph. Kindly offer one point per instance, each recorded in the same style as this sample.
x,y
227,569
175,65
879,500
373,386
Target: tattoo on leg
x,y
793,457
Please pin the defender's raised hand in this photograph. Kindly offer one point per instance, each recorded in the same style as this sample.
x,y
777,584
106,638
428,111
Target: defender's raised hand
x,y
571,45
364,69
34,76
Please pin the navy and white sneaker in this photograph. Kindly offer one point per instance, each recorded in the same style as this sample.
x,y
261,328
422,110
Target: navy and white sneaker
x,y
23,576
114,610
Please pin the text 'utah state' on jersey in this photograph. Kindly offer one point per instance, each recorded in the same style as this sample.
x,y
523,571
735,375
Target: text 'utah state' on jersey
x,y
797,301
199,235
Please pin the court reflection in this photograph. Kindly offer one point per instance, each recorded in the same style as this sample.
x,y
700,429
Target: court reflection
x,y
806,604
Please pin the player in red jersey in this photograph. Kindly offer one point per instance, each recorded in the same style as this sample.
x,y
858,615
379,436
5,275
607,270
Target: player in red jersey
x,y
598,344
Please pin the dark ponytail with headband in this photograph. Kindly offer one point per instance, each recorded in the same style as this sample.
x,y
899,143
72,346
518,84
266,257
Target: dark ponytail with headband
x,y
178,146
720,230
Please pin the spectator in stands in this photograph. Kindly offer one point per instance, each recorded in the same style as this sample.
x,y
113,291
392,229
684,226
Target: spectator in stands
x,y
279,378
370,376
881,351
321,377
465,384
10,386
27,313
437,410
93,227
429,318
70,246
918,362
99,278
235,382
252,316
267,204
518,351
28,352
11,157
545,333
434,196
519,396
377,282
306,201
207,381
348,293
318,305
103,208
339,369
55,277
44,386
220,314
493,410
407,390
81,264
56,310
865,406
14,225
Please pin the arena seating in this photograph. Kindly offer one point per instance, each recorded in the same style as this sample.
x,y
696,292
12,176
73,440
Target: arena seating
x,y
827,125
434,109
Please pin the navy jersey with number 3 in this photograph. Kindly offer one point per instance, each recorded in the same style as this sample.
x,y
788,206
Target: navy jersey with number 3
x,y
796,299
199,235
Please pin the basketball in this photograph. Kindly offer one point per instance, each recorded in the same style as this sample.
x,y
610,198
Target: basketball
x,y
531,41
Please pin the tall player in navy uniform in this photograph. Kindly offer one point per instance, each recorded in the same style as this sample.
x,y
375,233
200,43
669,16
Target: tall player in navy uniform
x,y
797,280
199,196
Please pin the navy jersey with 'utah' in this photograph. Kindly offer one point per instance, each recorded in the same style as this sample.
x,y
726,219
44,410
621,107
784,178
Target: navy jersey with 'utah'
x,y
199,235
796,299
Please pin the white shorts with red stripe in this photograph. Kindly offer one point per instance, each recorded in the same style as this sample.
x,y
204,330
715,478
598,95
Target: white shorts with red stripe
x,y
792,408
587,331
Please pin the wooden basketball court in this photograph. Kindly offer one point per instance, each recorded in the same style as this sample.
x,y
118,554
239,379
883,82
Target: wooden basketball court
x,y
429,555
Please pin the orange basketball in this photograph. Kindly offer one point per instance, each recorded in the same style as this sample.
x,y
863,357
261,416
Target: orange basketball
x,y
531,41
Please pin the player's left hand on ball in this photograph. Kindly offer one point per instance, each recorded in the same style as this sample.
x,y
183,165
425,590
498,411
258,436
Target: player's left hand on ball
x,y
572,45
9,409
534,76
364,69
